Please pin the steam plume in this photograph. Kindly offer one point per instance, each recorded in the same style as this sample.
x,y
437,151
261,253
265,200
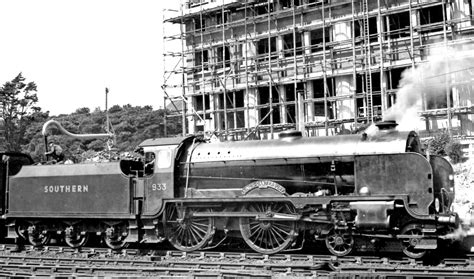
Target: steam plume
x,y
429,81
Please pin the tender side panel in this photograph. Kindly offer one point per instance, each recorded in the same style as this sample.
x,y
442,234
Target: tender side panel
x,y
2,186
61,191
406,173
12,163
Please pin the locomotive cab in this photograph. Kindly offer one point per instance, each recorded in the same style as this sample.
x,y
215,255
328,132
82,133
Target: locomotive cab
x,y
159,170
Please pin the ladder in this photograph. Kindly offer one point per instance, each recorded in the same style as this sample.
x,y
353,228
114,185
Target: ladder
x,y
367,65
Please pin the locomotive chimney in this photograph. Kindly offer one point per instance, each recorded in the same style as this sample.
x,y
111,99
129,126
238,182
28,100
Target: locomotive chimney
x,y
290,135
386,125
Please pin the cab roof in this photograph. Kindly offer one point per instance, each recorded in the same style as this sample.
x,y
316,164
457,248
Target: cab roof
x,y
164,141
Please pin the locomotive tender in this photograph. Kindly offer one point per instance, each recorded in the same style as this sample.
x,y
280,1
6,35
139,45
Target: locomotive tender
x,y
343,190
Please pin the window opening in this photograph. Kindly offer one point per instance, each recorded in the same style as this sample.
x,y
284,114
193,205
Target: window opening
x,y
164,159
149,163
429,16
398,25
317,39
223,51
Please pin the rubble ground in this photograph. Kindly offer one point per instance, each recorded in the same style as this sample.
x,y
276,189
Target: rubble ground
x,y
464,193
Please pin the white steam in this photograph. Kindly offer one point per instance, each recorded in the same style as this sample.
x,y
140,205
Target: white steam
x,y
458,234
428,83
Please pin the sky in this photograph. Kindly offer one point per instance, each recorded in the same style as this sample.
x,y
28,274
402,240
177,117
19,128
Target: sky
x,y
74,49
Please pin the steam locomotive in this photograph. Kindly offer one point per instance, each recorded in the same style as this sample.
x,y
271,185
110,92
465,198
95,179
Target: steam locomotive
x,y
349,192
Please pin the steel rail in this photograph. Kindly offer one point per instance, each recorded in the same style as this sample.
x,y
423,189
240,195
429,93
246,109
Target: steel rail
x,y
64,261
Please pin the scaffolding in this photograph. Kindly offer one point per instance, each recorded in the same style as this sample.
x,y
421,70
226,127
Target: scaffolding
x,y
250,68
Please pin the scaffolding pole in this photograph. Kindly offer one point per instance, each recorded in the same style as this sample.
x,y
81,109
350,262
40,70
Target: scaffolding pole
x,y
354,65
325,85
448,75
270,83
247,88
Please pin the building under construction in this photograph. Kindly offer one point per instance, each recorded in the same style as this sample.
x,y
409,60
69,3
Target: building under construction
x,y
252,68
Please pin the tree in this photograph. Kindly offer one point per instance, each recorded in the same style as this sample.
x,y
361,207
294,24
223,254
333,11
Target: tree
x,y
18,100
83,110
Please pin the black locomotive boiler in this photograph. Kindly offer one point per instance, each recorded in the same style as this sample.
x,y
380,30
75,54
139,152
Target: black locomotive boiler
x,y
343,190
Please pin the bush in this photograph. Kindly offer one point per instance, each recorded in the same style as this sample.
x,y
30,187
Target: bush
x,y
445,145
454,150
437,145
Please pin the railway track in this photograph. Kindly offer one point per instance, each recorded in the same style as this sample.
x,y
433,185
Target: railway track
x,y
64,261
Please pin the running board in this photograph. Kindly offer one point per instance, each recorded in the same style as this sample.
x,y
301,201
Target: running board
x,y
267,216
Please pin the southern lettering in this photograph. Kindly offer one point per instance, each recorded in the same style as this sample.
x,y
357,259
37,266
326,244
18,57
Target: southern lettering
x,y
66,189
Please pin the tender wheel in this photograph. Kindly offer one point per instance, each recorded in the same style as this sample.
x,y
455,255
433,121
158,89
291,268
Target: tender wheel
x,y
74,238
115,237
37,237
186,232
339,243
410,243
268,237
22,230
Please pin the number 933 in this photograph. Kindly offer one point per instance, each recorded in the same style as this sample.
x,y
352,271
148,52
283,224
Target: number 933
x,y
158,186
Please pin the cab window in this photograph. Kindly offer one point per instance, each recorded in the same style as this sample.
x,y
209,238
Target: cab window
x,y
164,159
149,163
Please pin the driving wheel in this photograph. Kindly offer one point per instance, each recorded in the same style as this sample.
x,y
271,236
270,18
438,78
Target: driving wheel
x,y
268,236
185,231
